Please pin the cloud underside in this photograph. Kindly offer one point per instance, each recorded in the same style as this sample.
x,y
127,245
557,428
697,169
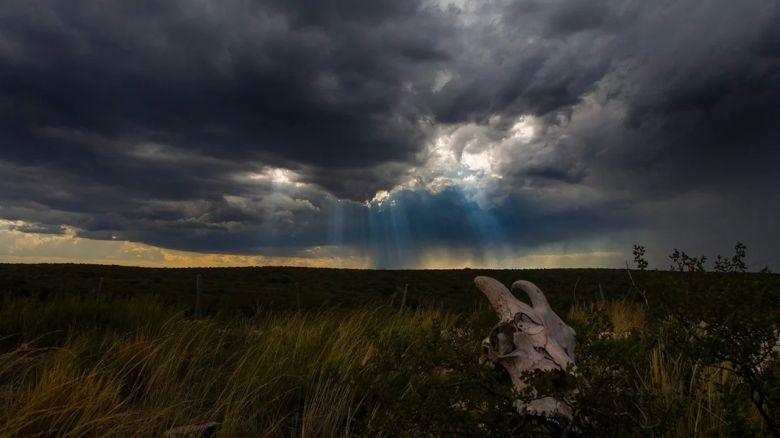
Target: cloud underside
x,y
390,134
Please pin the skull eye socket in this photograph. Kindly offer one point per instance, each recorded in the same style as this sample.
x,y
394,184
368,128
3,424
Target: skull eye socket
x,y
526,324
524,318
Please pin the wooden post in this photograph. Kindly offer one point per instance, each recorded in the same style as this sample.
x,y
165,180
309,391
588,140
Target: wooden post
x,y
99,288
574,292
298,296
198,293
403,299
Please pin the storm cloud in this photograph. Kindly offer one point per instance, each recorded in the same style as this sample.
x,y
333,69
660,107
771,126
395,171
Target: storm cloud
x,y
388,127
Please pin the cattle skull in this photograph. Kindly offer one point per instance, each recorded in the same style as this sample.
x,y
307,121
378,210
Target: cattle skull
x,y
527,338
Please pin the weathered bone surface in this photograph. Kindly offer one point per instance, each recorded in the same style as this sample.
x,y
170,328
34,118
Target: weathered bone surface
x,y
527,338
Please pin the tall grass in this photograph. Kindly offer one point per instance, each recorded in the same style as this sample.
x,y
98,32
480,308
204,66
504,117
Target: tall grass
x,y
624,316
696,394
272,375
135,367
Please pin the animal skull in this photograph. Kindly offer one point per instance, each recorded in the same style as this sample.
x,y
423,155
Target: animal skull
x,y
527,338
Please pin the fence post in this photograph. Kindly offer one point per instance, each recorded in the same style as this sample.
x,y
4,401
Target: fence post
x,y
298,296
99,288
403,299
198,293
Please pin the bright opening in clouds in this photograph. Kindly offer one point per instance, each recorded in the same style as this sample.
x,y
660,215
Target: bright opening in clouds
x,y
403,133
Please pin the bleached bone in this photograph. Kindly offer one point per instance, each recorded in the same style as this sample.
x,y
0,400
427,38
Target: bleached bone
x,y
527,338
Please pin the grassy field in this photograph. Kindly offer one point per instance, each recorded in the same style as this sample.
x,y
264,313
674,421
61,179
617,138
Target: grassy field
x,y
317,352
281,288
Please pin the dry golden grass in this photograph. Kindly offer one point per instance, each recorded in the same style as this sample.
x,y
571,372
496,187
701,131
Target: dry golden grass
x,y
269,376
625,316
137,368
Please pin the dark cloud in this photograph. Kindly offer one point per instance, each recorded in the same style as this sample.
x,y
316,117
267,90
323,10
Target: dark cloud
x,y
237,80
163,122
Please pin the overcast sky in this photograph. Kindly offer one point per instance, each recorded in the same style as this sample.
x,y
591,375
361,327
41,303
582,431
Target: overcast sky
x,y
390,133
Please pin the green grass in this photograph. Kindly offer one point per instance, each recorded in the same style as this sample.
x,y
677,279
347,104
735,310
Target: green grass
x,y
137,365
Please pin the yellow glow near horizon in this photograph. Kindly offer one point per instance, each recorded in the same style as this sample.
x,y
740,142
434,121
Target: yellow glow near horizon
x,y
24,247
444,258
